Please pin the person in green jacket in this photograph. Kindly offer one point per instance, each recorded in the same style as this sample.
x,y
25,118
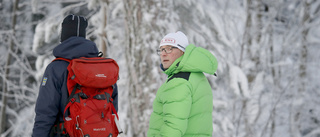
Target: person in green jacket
x,y
184,103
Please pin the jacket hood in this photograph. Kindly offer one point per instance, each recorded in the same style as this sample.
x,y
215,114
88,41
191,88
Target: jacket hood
x,y
76,47
194,59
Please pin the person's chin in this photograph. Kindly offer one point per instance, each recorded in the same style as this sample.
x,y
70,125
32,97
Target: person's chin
x,y
164,65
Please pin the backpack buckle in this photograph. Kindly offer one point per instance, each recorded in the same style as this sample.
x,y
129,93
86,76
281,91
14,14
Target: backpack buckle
x,y
72,100
83,95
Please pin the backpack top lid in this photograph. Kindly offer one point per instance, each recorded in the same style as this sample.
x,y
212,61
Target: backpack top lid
x,y
94,72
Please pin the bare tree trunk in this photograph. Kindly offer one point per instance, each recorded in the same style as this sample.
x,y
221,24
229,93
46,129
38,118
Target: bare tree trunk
x,y
138,65
246,35
304,49
3,119
273,113
302,70
134,57
103,34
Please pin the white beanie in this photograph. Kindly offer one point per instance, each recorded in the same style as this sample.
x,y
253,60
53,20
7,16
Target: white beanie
x,y
178,39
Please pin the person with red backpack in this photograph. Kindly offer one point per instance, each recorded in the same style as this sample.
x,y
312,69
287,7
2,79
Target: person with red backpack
x,y
60,96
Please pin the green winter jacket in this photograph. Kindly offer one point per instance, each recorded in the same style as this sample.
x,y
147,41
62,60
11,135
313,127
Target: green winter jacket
x,y
183,104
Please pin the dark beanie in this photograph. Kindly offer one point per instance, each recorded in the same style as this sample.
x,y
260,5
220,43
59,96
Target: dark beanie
x,y
73,25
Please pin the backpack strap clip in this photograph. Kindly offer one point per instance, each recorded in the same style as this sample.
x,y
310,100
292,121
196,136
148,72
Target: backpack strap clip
x,y
105,96
83,95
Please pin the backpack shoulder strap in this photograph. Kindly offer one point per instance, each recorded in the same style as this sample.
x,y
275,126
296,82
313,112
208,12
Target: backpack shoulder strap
x,y
64,59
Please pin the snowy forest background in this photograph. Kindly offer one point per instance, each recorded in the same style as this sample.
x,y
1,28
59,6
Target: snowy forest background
x,y
268,53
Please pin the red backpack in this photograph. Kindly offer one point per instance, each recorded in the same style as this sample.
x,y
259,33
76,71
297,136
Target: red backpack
x,y
90,108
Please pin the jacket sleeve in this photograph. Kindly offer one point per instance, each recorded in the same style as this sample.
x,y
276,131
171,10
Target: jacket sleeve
x,y
48,102
177,103
115,97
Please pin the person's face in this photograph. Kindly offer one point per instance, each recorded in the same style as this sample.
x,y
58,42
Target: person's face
x,y
168,54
